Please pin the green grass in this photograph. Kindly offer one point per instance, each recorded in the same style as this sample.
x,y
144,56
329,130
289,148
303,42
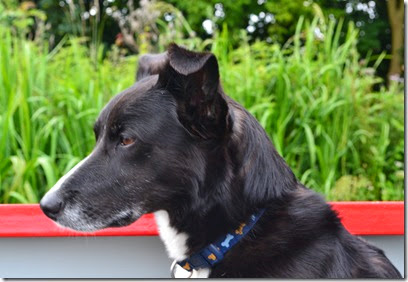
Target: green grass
x,y
48,103
315,99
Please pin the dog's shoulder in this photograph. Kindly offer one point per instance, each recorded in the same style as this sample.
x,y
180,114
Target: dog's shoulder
x,y
310,208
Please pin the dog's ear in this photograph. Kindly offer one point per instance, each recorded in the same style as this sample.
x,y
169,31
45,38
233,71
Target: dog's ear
x,y
193,79
151,64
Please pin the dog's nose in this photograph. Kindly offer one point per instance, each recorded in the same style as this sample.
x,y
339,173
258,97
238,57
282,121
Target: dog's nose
x,y
51,205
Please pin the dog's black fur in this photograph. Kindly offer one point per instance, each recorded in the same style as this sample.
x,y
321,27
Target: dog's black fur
x,y
192,151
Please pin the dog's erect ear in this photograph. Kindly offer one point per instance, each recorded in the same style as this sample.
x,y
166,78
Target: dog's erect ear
x,y
151,64
193,79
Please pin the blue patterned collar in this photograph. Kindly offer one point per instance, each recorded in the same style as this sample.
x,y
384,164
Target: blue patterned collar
x,y
214,253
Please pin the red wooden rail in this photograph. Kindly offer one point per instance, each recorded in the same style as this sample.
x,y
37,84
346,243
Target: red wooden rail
x,y
360,218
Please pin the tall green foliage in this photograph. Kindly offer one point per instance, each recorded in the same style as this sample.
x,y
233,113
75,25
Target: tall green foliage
x,y
48,103
315,99
313,96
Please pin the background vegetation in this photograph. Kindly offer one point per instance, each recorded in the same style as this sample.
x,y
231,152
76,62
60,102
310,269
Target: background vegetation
x,y
330,113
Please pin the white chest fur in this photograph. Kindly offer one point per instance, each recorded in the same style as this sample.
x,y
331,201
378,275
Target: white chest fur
x,y
175,243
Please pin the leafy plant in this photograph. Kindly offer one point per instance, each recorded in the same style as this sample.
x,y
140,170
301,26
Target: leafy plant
x,y
314,97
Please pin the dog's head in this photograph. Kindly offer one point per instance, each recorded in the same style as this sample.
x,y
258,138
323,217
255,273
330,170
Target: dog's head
x,y
153,142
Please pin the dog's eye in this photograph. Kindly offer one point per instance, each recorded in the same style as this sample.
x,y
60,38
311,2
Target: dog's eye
x,y
125,141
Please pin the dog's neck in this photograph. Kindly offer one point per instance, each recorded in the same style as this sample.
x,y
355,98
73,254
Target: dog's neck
x,y
174,240
249,183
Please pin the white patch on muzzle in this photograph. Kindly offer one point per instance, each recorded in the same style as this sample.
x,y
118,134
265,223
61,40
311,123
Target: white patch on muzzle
x,y
73,213
66,176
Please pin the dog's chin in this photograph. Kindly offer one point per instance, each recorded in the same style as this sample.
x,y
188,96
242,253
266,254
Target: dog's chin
x,y
79,226
124,221
91,226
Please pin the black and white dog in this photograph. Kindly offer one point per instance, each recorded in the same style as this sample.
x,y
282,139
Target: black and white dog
x,y
176,145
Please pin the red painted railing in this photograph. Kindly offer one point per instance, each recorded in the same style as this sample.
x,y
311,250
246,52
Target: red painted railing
x,y
360,218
